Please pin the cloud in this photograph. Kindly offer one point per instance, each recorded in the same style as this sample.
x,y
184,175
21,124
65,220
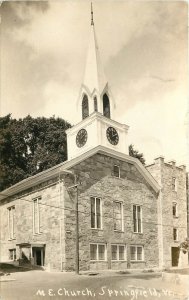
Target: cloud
x,y
62,29
52,32
59,102
159,128
143,45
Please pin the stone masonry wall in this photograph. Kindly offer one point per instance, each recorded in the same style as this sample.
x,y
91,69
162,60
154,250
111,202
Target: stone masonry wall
x,y
164,173
95,175
58,221
51,214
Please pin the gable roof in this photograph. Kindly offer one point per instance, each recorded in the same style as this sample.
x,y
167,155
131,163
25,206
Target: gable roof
x,y
65,166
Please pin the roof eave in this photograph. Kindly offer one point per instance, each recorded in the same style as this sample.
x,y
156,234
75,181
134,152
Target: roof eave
x,y
65,166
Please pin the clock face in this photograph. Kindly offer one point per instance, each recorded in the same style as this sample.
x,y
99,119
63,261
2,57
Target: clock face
x,y
112,136
81,138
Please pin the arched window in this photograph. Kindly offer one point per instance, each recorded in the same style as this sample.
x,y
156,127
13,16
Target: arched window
x,y
85,107
95,104
106,106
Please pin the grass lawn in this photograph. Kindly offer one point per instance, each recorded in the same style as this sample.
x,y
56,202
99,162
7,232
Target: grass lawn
x,y
8,268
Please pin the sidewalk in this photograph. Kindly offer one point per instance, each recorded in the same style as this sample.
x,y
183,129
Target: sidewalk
x,y
126,272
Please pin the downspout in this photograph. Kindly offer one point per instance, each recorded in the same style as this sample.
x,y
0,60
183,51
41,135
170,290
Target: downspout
x,y
61,221
59,182
161,216
161,229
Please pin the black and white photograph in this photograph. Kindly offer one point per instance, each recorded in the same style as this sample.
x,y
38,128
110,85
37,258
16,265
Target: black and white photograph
x,y
94,150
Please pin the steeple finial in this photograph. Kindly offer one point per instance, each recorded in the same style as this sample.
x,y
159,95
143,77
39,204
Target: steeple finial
x,y
92,22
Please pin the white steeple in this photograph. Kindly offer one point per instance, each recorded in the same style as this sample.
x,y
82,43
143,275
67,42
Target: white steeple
x,y
96,108
95,94
94,77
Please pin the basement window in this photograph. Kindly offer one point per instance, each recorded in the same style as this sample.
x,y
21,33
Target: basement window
x,y
12,254
98,252
118,252
137,253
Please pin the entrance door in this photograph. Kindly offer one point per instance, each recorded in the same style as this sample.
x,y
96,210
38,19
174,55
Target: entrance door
x,y
38,256
175,256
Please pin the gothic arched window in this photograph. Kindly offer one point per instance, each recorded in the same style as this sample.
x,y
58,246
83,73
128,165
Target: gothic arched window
x,y
85,107
95,104
106,106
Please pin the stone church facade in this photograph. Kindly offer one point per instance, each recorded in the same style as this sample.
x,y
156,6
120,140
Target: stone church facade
x,y
101,209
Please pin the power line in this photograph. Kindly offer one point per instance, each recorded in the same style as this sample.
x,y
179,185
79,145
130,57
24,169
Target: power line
x,y
89,214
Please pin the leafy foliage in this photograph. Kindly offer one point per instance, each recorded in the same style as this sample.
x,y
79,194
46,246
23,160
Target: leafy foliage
x,y
136,154
184,246
29,146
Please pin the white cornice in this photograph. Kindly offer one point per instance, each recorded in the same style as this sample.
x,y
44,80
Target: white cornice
x,y
34,180
65,166
97,116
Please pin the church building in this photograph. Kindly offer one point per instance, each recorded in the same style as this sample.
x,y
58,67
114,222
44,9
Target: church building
x,y
100,209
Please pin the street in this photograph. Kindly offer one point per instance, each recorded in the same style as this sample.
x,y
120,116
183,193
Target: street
x,y
32,285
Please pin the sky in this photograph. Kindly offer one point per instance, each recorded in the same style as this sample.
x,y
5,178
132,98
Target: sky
x,y
143,48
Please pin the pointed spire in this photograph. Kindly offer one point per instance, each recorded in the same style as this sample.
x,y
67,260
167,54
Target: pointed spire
x,y
92,22
94,74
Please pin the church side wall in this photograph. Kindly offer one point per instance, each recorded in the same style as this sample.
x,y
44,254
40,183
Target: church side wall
x,y
170,222
168,171
51,199
156,171
95,175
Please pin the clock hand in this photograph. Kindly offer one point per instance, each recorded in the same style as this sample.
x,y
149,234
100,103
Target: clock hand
x,y
114,134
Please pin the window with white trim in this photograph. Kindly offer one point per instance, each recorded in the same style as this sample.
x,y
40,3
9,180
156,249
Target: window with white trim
x,y
175,213
175,234
36,216
118,252
96,215
137,218
12,254
116,171
11,222
98,252
137,253
118,215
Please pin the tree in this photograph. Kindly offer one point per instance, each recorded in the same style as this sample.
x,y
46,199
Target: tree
x,y
136,154
12,166
29,146
184,246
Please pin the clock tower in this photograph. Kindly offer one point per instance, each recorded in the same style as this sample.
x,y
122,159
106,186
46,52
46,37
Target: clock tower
x,y
96,107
